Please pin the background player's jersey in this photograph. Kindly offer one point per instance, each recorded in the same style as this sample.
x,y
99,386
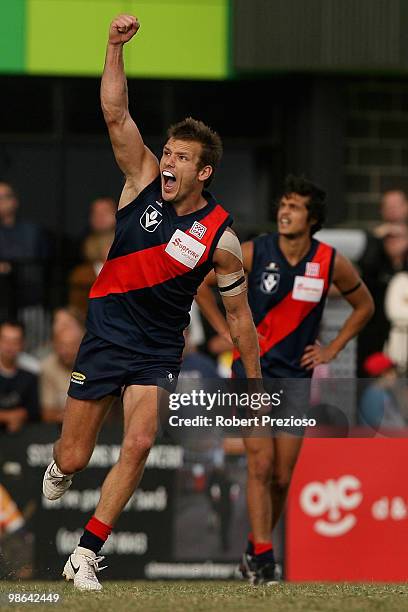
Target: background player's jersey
x,y
142,297
287,304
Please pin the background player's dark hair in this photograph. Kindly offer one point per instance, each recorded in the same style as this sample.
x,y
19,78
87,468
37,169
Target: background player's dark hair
x,y
197,131
317,198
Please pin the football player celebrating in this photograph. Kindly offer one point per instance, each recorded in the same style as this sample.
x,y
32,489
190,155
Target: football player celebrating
x,y
170,232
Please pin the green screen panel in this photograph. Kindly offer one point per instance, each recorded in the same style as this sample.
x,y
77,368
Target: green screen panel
x,y
68,36
185,39
12,35
178,38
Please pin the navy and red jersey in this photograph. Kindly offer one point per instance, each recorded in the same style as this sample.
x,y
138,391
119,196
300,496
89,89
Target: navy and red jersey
x,y
287,304
142,297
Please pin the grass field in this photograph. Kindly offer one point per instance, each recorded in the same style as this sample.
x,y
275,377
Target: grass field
x,y
212,596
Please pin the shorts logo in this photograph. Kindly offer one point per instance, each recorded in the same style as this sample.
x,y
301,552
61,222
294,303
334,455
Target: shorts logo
x,y
78,378
197,229
151,219
312,269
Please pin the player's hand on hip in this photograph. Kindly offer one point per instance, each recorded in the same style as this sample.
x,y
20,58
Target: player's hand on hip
x,y
315,354
122,29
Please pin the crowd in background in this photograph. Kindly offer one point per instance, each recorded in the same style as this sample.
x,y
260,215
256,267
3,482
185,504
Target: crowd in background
x,y
41,328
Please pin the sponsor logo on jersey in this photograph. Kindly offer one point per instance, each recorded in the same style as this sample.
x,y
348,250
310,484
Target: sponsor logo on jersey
x,y
312,269
197,229
185,249
151,219
78,378
307,289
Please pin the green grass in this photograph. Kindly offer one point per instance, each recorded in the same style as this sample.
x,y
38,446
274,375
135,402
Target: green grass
x,y
215,596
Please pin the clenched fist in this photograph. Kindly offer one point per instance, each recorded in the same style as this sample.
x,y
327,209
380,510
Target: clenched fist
x,y
122,29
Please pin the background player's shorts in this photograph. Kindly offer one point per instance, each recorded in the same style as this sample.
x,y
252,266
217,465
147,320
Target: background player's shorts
x,y
294,394
102,369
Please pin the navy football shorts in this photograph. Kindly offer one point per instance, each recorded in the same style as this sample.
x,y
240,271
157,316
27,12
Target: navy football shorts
x,y
102,369
294,400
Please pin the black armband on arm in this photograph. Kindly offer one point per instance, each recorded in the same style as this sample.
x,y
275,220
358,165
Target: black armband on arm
x,y
352,289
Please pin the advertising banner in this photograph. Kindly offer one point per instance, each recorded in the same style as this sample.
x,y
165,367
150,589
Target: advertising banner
x,y
144,531
187,519
347,515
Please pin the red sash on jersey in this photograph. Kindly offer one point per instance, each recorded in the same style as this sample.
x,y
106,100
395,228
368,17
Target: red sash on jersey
x,y
151,266
286,316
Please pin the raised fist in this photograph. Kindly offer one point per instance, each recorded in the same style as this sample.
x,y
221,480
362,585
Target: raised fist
x,y
122,29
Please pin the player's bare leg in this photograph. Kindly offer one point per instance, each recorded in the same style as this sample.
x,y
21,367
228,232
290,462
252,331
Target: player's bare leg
x,y
258,563
140,427
260,457
286,451
82,422
140,406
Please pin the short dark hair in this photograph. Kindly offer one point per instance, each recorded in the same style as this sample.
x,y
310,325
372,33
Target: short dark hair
x,y
317,198
13,323
197,131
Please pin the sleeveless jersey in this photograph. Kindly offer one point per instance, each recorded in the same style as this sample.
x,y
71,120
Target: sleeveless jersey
x,y
287,304
142,297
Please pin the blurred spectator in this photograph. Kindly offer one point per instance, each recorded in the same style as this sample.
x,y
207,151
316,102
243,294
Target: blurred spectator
x,y
393,209
23,249
396,309
222,348
379,406
18,388
378,265
68,317
102,215
56,372
196,365
96,249
28,362
101,219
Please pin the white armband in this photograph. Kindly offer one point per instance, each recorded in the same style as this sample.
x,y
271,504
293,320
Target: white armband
x,y
229,242
231,284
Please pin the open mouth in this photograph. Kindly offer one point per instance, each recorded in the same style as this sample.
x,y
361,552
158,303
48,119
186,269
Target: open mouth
x,y
169,180
284,222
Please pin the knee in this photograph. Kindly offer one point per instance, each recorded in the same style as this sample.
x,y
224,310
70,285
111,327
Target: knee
x,y
260,467
136,449
281,479
70,458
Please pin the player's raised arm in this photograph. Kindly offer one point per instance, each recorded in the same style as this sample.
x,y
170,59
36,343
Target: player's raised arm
x,y
230,277
135,160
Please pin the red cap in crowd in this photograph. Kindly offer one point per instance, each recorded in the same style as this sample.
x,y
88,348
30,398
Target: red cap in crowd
x,y
377,363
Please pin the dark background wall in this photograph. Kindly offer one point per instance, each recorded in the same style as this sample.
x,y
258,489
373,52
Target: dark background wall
x,y
348,133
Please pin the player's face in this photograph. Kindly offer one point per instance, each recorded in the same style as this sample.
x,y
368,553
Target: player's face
x,y
179,169
8,201
293,216
11,342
